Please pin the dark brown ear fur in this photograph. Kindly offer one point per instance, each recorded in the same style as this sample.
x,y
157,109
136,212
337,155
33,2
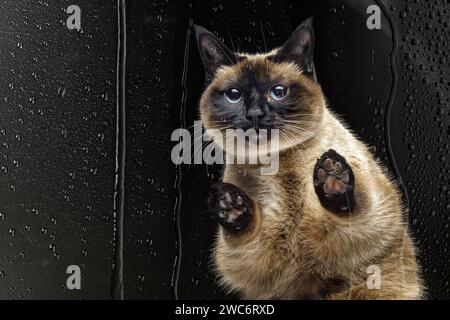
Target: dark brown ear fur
x,y
299,48
213,52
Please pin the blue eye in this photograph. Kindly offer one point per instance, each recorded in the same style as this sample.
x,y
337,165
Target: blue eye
x,y
233,95
278,92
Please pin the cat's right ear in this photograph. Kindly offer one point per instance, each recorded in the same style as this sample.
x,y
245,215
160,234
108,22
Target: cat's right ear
x,y
213,52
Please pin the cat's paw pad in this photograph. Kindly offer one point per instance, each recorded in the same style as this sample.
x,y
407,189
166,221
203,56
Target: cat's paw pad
x,y
230,205
334,182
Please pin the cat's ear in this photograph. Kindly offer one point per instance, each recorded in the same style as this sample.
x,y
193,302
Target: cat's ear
x,y
300,48
213,52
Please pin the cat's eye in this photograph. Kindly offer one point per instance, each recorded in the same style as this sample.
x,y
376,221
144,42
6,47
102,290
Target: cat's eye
x,y
278,92
233,95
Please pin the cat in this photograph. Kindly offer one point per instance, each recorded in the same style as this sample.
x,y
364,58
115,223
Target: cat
x,y
330,220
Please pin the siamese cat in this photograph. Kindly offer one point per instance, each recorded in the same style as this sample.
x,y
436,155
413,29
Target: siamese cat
x,y
330,223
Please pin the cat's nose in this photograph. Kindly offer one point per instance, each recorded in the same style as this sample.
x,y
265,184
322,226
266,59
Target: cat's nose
x,y
254,114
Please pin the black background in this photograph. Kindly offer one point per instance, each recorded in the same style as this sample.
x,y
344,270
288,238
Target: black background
x,y
58,133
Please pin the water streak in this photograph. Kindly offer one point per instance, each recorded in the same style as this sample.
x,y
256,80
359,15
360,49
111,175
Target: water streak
x,y
117,291
178,177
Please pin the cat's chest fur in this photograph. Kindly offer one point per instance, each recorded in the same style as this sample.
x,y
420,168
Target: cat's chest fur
x,y
274,194
269,194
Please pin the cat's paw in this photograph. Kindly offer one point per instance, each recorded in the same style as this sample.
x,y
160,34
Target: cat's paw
x,y
230,205
334,182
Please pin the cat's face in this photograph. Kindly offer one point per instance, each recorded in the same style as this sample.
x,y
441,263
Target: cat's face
x,y
276,90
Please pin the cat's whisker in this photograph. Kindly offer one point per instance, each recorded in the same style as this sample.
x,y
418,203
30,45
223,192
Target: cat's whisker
x,y
223,129
298,129
263,35
231,39
300,123
188,128
301,119
200,147
293,144
239,46
259,49
210,154
295,135
296,115
302,133
298,149
297,119
297,125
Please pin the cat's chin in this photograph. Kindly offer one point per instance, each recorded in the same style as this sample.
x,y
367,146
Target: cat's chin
x,y
271,144
257,146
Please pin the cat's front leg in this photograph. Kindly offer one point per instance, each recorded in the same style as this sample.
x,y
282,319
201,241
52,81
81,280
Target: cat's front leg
x,y
334,182
232,208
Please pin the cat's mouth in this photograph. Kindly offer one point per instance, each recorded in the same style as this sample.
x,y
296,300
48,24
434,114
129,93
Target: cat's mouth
x,y
258,126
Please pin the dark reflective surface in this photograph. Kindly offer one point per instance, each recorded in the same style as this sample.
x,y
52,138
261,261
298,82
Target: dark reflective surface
x,y
57,151
58,133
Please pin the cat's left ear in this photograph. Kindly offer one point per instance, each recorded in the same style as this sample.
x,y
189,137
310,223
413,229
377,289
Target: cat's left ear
x,y
300,48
